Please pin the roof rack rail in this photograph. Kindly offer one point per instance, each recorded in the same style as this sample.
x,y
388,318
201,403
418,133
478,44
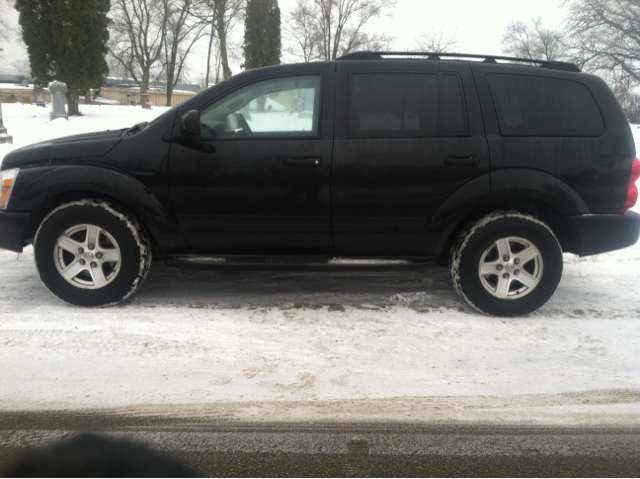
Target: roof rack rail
x,y
368,55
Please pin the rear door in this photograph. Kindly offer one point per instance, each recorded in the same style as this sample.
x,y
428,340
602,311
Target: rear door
x,y
408,135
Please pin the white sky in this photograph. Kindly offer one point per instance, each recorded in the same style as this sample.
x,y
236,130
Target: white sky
x,y
478,25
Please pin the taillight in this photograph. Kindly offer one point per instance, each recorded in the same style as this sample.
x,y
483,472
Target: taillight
x,y
632,189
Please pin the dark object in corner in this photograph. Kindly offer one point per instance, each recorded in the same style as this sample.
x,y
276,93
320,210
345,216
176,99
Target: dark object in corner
x,y
93,455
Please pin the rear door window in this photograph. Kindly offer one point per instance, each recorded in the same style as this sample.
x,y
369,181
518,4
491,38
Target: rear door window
x,y
530,105
405,105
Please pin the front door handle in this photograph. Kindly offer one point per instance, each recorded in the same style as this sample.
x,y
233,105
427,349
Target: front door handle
x,y
303,162
462,161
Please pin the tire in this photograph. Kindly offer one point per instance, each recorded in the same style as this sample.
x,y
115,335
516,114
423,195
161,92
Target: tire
x,y
506,264
90,254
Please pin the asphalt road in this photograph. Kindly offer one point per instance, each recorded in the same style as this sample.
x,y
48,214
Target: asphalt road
x,y
375,449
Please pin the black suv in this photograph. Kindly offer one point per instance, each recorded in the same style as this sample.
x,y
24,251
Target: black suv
x,y
495,165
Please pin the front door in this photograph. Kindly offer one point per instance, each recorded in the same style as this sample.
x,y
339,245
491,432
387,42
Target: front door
x,y
256,180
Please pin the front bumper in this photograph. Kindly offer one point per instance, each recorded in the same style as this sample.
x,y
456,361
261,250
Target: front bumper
x,y
601,233
12,229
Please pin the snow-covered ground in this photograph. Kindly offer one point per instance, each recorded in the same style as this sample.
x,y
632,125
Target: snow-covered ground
x,y
29,123
293,346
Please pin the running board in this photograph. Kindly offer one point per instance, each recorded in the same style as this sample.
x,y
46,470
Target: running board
x,y
296,263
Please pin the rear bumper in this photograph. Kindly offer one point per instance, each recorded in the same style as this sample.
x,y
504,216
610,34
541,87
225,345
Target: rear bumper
x,y
601,233
12,226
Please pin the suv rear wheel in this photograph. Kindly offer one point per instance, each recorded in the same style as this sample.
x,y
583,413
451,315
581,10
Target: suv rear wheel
x,y
506,264
90,254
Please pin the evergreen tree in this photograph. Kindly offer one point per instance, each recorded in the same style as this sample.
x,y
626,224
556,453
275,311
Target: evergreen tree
x,y
262,42
66,41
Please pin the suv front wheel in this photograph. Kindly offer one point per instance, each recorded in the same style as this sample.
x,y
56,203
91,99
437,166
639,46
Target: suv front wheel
x,y
90,254
506,264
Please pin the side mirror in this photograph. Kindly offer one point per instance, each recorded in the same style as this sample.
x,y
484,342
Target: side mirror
x,y
190,123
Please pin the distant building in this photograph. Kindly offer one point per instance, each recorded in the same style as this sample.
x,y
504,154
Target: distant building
x,y
130,84
15,79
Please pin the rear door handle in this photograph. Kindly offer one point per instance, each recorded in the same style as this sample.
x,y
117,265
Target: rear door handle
x,y
462,161
303,162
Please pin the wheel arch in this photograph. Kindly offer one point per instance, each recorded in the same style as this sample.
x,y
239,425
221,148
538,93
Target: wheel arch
x,y
525,190
526,205
71,183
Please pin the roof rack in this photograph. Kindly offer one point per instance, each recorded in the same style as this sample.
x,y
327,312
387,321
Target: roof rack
x,y
368,55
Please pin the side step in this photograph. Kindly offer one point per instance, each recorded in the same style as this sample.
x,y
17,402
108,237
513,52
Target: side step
x,y
296,263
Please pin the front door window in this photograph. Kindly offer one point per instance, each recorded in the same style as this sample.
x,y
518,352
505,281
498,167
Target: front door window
x,y
274,108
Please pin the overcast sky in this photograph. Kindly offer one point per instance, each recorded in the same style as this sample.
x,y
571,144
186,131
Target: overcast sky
x,y
477,24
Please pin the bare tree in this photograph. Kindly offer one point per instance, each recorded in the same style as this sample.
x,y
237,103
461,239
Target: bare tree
x,y
182,30
138,36
228,13
531,40
605,39
606,34
117,69
22,66
326,29
6,29
437,42
301,29
623,87
221,16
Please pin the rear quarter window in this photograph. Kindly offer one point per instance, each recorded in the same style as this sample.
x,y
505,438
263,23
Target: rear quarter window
x,y
530,105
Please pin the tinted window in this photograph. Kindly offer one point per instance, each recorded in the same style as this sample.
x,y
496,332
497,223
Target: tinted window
x,y
270,108
452,118
540,106
405,104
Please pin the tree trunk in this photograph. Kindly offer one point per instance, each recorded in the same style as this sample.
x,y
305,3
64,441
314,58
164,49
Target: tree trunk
x,y
222,40
171,69
87,97
171,72
144,85
72,102
211,35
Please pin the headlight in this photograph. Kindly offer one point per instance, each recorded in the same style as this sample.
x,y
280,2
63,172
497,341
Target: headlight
x,y
7,179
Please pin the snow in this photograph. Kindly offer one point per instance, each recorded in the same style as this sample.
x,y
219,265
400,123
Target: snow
x,y
30,123
317,346
101,100
280,121
14,86
276,346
